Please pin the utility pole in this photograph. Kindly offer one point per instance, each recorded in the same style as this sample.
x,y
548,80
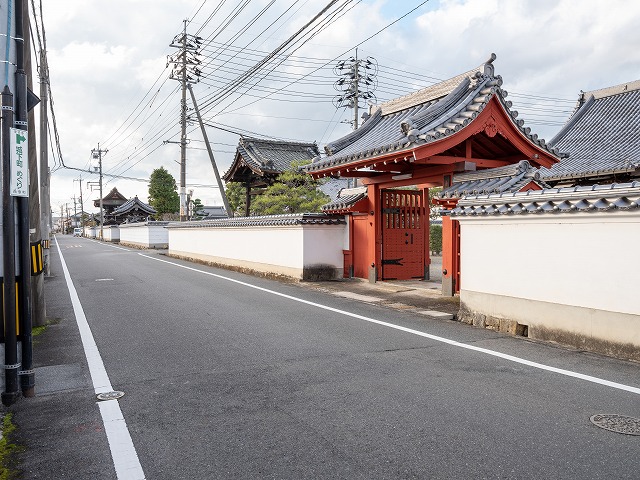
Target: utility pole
x,y
75,211
45,173
97,154
184,70
81,204
357,82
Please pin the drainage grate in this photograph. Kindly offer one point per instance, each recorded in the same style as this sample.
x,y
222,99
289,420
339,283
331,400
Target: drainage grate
x,y
110,395
617,423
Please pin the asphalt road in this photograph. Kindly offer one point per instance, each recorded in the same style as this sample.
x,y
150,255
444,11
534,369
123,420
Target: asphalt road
x,y
225,380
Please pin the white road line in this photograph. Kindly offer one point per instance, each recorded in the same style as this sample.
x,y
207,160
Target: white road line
x,y
109,245
511,358
123,453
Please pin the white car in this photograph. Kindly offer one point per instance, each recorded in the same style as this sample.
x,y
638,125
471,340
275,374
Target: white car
x,y
77,232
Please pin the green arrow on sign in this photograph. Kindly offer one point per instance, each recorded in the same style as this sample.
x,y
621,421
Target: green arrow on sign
x,y
20,139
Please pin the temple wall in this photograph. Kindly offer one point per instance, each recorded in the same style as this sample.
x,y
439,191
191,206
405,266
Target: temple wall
x,y
144,234
570,278
111,234
301,252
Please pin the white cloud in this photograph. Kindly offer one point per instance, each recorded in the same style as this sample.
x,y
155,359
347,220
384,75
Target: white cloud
x,y
105,56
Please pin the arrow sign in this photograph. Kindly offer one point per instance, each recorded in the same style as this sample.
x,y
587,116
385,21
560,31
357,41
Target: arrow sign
x,y
19,181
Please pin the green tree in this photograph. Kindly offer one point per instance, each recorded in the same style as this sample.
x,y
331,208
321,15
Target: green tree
x,y
294,191
195,208
236,194
434,209
163,192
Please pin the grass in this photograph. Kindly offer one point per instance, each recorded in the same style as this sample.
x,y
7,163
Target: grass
x,y
8,450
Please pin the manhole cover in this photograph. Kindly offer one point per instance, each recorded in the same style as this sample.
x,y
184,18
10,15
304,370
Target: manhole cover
x,y
617,423
110,395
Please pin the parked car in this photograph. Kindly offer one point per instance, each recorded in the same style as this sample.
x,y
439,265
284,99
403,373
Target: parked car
x,y
77,232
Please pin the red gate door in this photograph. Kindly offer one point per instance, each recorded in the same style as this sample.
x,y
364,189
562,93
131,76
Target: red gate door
x,y
402,234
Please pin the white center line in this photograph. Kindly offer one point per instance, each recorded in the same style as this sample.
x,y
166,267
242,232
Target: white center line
x,y
486,351
123,453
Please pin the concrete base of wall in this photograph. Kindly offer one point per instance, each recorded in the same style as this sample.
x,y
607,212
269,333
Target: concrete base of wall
x,y
611,333
310,273
143,246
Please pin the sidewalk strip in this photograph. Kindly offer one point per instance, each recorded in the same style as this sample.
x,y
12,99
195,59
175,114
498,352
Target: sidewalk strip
x,y
123,453
486,351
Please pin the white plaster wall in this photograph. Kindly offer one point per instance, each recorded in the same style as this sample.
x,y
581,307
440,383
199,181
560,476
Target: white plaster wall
x,y
137,234
274,249
270,245
158,235
111,234
323,244
583,260
90,232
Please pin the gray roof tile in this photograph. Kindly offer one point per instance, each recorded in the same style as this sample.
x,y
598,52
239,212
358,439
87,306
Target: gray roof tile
x,y
271,156
267,220
495,180
602,137
594,198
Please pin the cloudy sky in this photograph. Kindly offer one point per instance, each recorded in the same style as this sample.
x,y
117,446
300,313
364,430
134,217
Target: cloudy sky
x,y
109,73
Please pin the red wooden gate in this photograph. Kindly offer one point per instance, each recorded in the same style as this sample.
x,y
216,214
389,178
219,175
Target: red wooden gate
x,y
403,227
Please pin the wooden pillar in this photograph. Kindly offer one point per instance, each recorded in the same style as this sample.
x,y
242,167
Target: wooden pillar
x,y
450,256
247,200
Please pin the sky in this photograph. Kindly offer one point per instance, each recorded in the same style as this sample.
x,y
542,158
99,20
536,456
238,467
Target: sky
x,y
110,80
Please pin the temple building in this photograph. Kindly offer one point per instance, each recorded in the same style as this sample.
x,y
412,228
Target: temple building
x,y
258,162
110,202
446,135
132,211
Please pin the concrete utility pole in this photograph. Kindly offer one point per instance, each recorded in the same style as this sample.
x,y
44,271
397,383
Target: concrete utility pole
x,y
185,70
45,173
97,154
183,130
81,203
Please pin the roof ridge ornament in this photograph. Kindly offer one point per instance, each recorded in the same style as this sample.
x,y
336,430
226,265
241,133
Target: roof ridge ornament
x,y
489,69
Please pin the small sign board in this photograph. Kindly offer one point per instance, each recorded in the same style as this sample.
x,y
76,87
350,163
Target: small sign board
x,y
19,186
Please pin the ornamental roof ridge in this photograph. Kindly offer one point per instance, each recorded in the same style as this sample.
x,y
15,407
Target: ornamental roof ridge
x,y
613,90
428,94
506,171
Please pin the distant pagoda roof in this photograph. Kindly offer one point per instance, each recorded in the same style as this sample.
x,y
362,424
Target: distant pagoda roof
x,y
112,199
602,136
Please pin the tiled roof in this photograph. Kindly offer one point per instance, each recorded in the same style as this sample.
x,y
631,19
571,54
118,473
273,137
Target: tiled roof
x,y
333,186
134,204
266,221
495,180
423,117
602,137
346,198
271,156
595,198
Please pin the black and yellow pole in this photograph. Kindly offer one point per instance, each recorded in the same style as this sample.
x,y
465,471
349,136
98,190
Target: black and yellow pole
x,y
11,365
24,240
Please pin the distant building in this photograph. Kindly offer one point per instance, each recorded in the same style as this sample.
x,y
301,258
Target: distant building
x,y
132,211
